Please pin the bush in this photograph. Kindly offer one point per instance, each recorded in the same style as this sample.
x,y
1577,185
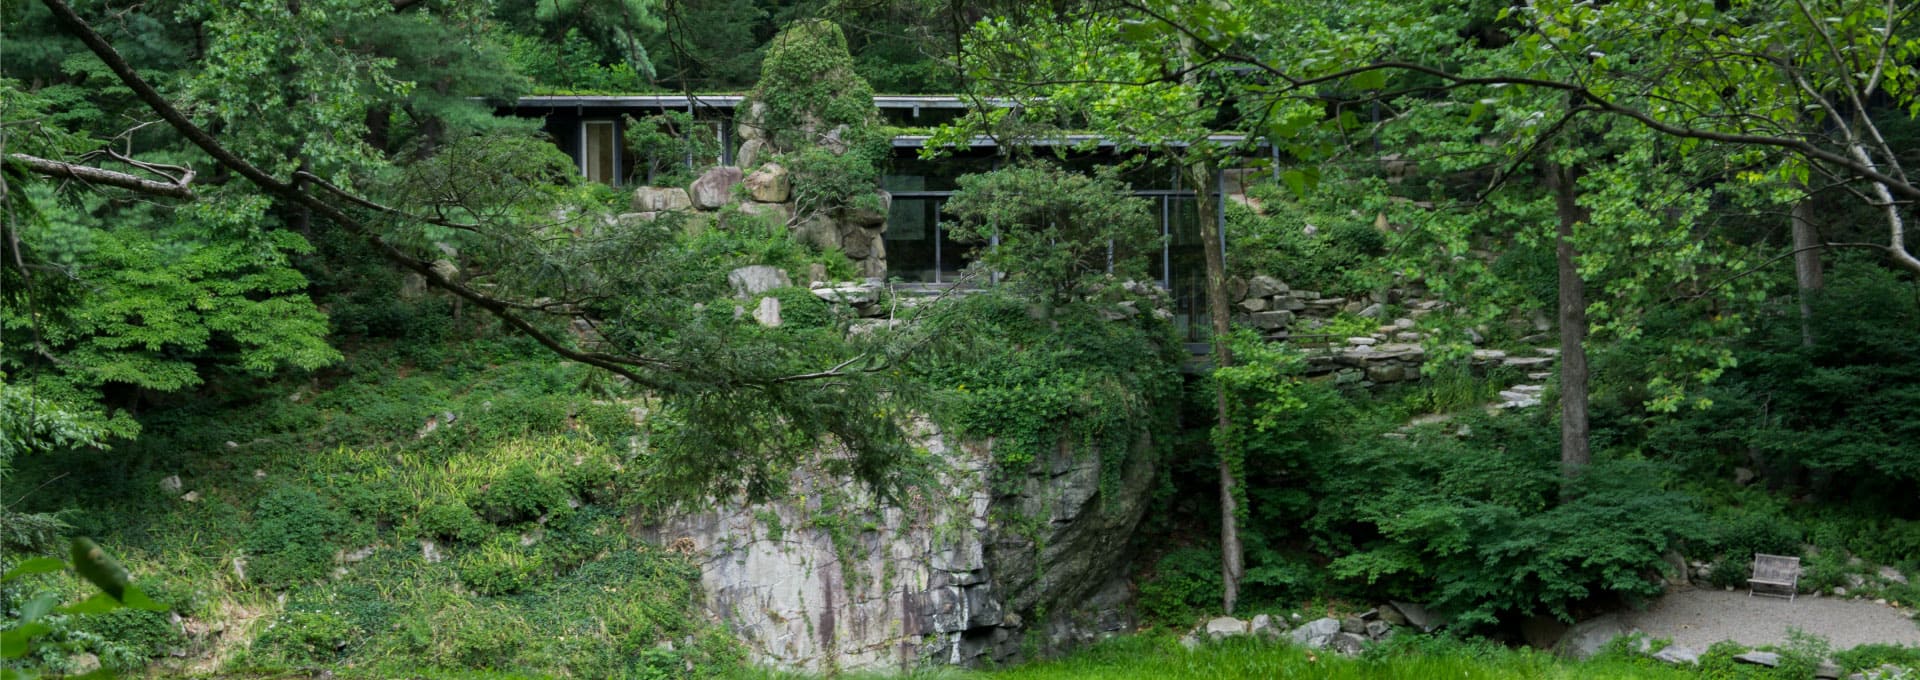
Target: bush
x,y
306,636
290,540
801,309
1183,582
519,494
502,566
451,520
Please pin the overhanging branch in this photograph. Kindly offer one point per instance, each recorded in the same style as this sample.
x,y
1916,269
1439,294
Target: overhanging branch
x,y
180,188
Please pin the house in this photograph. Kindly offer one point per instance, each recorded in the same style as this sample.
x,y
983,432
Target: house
x,y
918,249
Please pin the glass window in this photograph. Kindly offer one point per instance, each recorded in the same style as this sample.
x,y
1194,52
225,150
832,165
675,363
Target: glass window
x,y
912,240
600,155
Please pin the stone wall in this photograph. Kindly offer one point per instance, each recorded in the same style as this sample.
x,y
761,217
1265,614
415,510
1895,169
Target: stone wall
x,y
767,193
826,579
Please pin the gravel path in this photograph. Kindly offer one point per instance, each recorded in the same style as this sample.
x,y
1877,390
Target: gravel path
x,y
1698,618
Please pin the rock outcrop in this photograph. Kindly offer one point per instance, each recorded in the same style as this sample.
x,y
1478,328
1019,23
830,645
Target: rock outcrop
x,y
959,573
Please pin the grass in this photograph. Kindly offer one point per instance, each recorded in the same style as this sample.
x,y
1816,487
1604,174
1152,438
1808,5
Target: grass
x,y
1162,658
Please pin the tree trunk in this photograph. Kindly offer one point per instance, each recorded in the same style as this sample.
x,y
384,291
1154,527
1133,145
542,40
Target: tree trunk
x,y
1574,451
1806,264
1232,563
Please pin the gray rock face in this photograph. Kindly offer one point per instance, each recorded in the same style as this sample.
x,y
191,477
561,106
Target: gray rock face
x,y
942,582
769,184
756,279
1768,659
1414,615
1678,656
1317,629
1264,286
1347,643
777,213
714,188
768,312
656,199
1267,628
1587,637
1225,626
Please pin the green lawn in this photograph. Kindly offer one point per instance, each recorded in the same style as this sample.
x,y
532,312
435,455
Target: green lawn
x,y
1161,657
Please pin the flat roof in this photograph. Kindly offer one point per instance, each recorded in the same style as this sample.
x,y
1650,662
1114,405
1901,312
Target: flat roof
x,y
917,141
681,100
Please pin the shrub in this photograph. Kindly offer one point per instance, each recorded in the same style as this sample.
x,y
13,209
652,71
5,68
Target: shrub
x,y
502,566
519,494
451,519
1183,582
306,636
290,540
801,309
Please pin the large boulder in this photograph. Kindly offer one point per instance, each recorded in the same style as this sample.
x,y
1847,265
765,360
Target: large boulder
x,y
776,213
714,188
1587,638
750,152
656,199
818,230
769,184
753,280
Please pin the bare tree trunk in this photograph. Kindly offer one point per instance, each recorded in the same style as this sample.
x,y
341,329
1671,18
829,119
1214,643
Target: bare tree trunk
x,y
1574,447
1232,561
1806,264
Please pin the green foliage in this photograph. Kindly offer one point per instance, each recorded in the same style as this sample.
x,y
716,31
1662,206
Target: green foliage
x,y
290,540
1033,384
519,494
670,148
1183,583
502,566
1064,235
801,309
306,636
808,85
451,519
1318,241
1873,655
825,180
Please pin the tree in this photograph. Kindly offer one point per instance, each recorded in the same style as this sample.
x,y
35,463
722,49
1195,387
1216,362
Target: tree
x,y
1060,233
543,256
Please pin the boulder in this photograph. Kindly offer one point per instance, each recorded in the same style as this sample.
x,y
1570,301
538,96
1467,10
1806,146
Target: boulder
x,y
872,214
1386,373
1347,643
777,213
768,313
1374,311
1827,670
1223,627
1268,321
171,485
1768,659
714,188
1236,289
819,231
853,295
1253,304
1893,575
1314,633
1678,656
750,152
1267,627
1391,614
769,184
1353,624
1264,286
1586,638
1379,630
753,280
656,199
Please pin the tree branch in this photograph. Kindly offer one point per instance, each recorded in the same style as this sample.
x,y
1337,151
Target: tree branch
x,y
179,188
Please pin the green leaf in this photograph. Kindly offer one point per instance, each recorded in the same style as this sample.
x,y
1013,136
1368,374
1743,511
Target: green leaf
x,y
98,567
1370,80
37,565
100,603
38,606
13,643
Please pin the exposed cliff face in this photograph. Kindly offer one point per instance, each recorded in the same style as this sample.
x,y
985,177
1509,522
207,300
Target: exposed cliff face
x,y
968,570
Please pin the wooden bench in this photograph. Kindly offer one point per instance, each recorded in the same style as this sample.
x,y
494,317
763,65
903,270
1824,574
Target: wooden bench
x,y
1774,573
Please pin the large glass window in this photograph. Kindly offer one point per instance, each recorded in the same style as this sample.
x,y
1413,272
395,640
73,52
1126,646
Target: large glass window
x,y
912,239
600,155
